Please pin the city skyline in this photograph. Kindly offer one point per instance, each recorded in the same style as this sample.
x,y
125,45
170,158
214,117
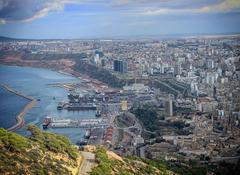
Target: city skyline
x,y
69,19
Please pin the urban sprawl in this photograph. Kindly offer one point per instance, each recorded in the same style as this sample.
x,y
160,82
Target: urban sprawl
x,y
173,99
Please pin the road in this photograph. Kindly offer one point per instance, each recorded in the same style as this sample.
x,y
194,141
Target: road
x,y
88,163
142,152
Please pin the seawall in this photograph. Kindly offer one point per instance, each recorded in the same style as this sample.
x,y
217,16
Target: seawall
x,y
20,116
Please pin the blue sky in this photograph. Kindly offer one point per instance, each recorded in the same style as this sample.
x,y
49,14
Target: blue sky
x,y
117,18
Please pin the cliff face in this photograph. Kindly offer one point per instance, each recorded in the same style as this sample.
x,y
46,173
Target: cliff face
x,y
41,153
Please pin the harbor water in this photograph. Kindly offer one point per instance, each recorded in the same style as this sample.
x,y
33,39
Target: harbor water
x,y
36,82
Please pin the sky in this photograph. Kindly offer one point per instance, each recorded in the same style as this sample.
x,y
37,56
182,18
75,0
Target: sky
x,y
68,19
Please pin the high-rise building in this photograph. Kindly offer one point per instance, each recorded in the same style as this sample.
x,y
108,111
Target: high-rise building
x,y
169,107
177,69
97,59
120,66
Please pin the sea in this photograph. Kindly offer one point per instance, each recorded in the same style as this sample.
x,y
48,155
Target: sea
x,y
36,82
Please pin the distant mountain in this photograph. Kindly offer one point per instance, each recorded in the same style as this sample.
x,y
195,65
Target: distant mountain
x,y
7,39
3,38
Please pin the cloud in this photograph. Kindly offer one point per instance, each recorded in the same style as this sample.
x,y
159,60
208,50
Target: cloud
x,y
224,6
2,21
124,2
28,10
220,7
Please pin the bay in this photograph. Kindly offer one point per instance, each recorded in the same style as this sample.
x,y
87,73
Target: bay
x,y
35,82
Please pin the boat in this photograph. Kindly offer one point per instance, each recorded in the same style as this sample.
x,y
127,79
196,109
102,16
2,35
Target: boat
x,y
46,122
60,106
87,134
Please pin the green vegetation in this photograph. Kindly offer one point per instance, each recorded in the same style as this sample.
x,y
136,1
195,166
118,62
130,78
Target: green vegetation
x,y
164,87
98,73
42,153
148,117
104,164
52,142
191,168
129,166
13,142
226,168
177,168
124,120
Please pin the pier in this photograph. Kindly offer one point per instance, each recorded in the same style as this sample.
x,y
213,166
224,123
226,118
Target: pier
x,y
20,116
69,123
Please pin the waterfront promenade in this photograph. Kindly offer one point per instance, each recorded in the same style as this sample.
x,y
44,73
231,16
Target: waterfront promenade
x,y
20,116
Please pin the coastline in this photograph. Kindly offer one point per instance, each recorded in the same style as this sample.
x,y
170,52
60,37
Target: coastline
x,y
20,117
93,83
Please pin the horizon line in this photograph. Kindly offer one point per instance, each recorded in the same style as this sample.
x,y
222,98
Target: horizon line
x,y
132,37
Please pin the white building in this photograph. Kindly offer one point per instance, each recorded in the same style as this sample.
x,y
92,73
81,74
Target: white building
x,y
136,87
211,78
210,64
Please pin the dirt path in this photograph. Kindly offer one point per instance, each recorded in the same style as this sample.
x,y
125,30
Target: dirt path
x,y
88,163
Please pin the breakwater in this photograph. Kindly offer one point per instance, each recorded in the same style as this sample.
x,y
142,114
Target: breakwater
x,y
20,116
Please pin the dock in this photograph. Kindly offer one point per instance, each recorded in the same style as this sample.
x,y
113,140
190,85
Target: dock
x,y
20,116
69,123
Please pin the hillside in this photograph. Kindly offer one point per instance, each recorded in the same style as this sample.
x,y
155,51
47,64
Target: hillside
x,y
48,153
41,153
111,164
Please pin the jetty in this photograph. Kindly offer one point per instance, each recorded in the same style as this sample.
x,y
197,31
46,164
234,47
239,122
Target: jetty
x,y
20,116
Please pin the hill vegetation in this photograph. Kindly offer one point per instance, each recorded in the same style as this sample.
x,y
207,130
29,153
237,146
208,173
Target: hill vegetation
x,y
99,73
41,153
109,164
48,153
